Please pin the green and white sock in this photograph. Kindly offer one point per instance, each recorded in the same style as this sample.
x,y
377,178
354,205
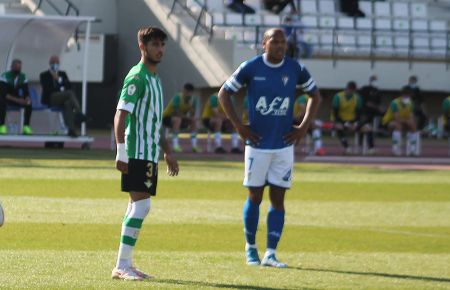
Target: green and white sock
x,y
131,226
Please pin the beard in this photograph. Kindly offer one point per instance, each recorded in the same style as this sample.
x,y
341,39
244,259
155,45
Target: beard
x,y
151,60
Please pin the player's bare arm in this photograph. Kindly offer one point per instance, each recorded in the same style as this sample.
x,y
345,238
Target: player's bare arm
x,y
169,158
119,132
311,109
227,105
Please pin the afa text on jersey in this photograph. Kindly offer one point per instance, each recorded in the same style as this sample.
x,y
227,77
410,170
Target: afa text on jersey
x,y
278,107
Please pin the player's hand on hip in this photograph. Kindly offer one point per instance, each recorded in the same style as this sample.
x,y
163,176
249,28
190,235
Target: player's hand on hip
x,y
172,165
247,134
297,134
122,166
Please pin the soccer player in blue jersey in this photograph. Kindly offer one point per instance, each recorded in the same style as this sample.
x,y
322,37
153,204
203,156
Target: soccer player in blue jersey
x,y
271,80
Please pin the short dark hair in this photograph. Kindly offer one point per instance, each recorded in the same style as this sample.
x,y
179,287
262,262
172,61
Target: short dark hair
x,y
146,34
406,90
16,60
351,85
189,87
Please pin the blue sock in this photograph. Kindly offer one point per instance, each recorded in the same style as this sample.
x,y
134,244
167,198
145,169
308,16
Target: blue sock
x,y
251,218
275,223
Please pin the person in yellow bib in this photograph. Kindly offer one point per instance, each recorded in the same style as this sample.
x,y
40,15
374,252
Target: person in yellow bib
x,y
314,130
346,109
180,114
400,117
214,120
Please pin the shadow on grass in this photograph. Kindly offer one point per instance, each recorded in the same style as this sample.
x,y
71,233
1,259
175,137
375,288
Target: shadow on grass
x,y
219,285
384,275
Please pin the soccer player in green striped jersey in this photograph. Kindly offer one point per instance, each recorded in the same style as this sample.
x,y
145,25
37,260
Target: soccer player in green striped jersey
x,y
137,126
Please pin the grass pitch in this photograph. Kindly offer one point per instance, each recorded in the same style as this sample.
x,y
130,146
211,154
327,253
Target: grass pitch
x,y
347,227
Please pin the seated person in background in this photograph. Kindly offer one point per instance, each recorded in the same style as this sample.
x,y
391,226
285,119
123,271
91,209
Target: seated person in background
x,y
239,6
418,102
351,8
180,114
297,46
400,117
314,130
15,93
276,6
346,109
446,114
214,120
56,92
371,108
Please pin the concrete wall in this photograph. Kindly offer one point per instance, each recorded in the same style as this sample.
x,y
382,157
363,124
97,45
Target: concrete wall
x,y
174,70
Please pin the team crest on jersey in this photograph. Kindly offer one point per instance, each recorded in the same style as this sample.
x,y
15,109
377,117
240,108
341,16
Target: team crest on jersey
x,y
131,89
285,79
278,107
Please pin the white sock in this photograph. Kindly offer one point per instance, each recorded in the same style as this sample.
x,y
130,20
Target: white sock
x,y
411,142
175,141
194,140
234,140
130,232
218,139
269,252
396,140
316,134
249,246
417,140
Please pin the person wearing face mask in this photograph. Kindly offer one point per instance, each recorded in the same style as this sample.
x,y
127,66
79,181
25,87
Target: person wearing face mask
x,y
400,117
346,111
57,92
371,108
417,99
14,92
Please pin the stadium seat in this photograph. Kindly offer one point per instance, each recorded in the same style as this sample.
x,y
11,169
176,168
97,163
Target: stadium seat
x,y
309,21
383,43
308,7
400,9
347,41
419,10
214,5
421,44
270,20
382,9
252,19
363,23
366,7
346,22
419,25
327,7
235,33
311,37
233,19
217,18
327,22
401,24
438,25
364,42
250,36
401,43
383,24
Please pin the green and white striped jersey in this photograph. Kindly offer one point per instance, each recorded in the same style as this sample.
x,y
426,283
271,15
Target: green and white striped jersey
x,y
142,97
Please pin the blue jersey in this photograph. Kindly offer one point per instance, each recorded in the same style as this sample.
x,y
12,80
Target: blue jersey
x,y
271,91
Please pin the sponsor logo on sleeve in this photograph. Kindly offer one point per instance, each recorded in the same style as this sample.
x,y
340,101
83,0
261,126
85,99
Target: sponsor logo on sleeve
x,y
131,89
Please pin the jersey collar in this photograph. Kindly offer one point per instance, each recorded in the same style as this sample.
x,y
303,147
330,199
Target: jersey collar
x,y
264,57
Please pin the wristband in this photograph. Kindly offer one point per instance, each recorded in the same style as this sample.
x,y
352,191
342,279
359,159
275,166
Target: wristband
x,y
121,153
